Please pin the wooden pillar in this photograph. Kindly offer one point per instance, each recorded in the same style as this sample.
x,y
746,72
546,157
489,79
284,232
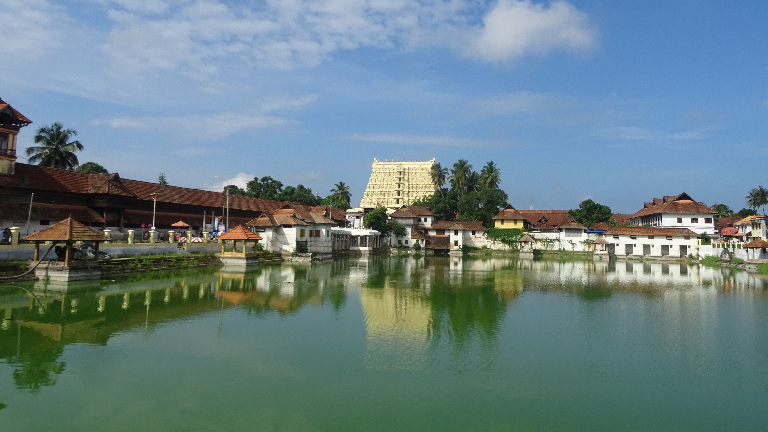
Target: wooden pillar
x,y
37,251
245,246
68,255
222,245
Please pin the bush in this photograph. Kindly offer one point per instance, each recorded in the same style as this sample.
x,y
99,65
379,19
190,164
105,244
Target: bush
x,y
763,269
711,261
417,246
737,261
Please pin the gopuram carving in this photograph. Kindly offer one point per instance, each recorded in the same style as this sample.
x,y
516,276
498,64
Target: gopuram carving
x,y
398,183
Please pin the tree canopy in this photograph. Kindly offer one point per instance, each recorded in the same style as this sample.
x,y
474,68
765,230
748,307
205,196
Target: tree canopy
x,y
590,213
722,210
757,197
91,168
55,149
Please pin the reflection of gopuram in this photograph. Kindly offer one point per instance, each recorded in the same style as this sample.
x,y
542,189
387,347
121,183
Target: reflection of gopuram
x,y
394,184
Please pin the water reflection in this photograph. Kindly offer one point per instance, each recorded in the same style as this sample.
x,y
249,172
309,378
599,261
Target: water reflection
x,y
411,307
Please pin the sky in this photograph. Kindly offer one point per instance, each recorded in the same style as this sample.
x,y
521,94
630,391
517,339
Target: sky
x,y
616,101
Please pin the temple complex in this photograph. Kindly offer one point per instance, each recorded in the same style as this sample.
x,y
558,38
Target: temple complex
x,y
398,183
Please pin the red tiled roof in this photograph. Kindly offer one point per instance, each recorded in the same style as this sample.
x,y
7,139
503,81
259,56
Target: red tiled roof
x,y
600,240
572,225
509,214
600,226
239,233
264,220
674,232
727,221
441,242
621,219
19,116
682,203
462,225
756,244
546,219
68,229
51,212
729,231
526,239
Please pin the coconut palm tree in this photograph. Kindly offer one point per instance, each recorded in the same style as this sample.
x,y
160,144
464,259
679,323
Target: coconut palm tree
x,y
758,197
56,149
460,175
439,175
490,176
342,192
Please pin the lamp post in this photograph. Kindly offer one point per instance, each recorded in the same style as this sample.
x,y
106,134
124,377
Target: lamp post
x,y
154,208
226,189
29,215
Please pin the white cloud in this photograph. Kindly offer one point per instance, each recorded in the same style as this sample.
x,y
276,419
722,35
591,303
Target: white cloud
x,y
30,28
240,180
516,28
512,103
421,140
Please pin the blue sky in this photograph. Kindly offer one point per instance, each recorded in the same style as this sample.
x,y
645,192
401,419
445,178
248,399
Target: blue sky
x,y
618,101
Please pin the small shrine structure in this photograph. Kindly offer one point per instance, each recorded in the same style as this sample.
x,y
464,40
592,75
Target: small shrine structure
x,y
66,268
235,258
600,245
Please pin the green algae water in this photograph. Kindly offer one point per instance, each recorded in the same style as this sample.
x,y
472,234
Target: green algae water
x,y
391,344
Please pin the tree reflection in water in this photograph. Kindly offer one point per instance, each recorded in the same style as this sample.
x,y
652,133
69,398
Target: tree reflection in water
x,y
37,369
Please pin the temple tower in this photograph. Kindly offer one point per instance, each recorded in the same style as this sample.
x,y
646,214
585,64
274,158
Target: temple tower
x,y
10,123
398,183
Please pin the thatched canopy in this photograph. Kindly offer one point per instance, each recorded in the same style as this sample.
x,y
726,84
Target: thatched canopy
x,y
180,224
67,230
600,240
526,239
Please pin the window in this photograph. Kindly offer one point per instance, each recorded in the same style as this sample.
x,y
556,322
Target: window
x,y
317,233
455,232
425,219
694,220
311,233
473,233
686,237
455,242
669,237
303,232
650,237
633,237
707,220
615,236
679,220
406,242
397,201
399,242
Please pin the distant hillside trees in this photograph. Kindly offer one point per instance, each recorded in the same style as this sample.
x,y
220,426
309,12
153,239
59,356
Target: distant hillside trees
x,y
269,188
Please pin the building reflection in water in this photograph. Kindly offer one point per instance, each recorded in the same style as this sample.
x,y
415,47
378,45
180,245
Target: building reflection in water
x,y
411,306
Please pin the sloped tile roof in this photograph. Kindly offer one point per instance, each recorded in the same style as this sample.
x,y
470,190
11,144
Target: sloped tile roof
x,y
727,221
748,220
546,219
572,225
264,220
756,244
622,219
470,225
4,107
51,212
440,242
509,213
68,229
526,239
674,232
239,233
681,203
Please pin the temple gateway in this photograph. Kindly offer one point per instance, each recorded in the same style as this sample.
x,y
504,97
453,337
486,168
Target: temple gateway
x,y
398,183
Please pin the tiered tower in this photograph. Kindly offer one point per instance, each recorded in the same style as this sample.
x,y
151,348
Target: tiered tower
x,y
398,183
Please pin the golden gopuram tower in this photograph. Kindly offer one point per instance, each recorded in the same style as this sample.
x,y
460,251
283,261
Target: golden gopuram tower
x,y
398,183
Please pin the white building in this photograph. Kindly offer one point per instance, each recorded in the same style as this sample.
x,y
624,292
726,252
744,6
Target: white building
x,y
679,211
454,235
294,228
652,242
416,220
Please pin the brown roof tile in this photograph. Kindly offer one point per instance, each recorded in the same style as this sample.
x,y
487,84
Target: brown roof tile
x,y
51,212
674,232
68,229
440,242
756,244
4,107
239,233
682,203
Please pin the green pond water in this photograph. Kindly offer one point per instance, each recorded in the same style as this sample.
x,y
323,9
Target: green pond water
x,y
391,344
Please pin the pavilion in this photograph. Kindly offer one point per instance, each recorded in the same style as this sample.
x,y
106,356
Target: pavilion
x,y
68,232
234,257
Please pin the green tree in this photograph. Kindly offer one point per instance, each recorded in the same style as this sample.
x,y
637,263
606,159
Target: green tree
x,y
590,213
91,168
266,188
376,220
162,180
722,210
234,190
460,175
335,202
341,195
55,149
299,194
490,176
481,205
438,175
746,212
758,197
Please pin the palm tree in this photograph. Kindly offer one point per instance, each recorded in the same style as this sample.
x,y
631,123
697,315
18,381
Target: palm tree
x,y
490,176
758,197
460,175
56,149
439,176
342,191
